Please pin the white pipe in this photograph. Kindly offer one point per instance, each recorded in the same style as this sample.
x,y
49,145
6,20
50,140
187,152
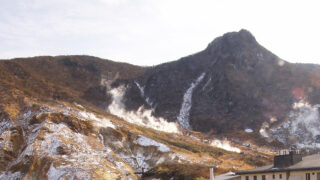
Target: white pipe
x,y
211,174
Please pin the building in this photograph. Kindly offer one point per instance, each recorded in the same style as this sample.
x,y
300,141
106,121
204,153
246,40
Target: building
x,y
288,165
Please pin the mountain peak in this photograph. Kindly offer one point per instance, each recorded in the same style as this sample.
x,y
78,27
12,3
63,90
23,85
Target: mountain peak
x,y
240,40
243,36
245,33
242,32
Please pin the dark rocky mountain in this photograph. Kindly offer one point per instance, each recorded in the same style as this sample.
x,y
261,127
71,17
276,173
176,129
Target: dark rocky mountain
x,y
242,86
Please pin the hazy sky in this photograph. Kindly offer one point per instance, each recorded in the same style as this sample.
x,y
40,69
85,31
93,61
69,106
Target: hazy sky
x,y
148,32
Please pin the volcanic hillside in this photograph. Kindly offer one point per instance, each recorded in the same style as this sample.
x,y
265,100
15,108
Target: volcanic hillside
x,y
229,105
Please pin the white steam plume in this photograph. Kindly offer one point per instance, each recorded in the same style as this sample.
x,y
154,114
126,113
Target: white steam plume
x,y
224,144
141,116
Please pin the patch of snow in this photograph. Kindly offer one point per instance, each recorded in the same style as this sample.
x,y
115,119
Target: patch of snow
x,y
273,119
181,158
144,141
225,145
101,138
54,174
161,160
50,144
303,127
82,154
11,176
207,83
184,114
142,160
194,137
147,99
248,130
88,116
3,139
82,115
102,122
4,125
27,114
31,138
78,105
136,161
140,88
141,116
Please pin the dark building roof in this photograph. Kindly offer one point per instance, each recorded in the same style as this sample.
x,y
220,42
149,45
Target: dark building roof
x,y
308,163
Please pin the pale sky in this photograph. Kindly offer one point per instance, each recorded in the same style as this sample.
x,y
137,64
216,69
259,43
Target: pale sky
x,y
149,32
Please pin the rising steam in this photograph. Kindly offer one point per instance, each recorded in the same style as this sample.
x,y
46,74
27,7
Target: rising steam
x,y
141,117
224,144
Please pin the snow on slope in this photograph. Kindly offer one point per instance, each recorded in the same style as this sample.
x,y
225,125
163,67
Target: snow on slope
x,y
248,130
142,116
10,176
144,141
184,114
101,122
71,152
54,174
79,144
303,127
147,99
81,154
